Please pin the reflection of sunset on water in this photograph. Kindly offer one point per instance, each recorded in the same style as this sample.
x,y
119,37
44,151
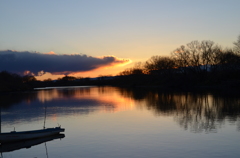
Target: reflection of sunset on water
x,y
197,112
45,96
110,100
54,117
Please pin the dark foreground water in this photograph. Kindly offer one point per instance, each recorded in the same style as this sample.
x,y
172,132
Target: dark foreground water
x,y
107,122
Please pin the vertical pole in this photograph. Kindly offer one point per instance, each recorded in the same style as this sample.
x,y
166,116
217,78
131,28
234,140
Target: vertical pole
x,y
45,117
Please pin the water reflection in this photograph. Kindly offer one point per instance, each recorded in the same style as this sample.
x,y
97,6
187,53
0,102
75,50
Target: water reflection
x,y
197,112
12,146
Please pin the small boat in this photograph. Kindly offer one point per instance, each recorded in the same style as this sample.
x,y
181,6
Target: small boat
x,y
26,135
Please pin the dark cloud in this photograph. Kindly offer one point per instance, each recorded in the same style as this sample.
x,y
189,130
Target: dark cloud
x,y
20,62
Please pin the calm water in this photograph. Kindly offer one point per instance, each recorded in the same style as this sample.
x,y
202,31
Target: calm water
x,y
106,122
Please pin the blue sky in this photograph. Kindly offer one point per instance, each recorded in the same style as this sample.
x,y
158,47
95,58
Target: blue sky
x,y
128,29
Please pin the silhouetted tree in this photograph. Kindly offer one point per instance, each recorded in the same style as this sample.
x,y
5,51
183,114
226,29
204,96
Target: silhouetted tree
x,y
237,45
160,64
229,61
47,80
68,78
125,72
197,56
28,78
14,82
9,77
136,70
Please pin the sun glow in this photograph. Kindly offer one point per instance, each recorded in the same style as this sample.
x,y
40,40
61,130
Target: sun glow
x,y
107,66
51,53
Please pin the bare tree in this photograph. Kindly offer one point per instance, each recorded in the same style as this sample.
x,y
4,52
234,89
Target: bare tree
x,y
182,56
196,56
237,45
160,64
229,61
136,70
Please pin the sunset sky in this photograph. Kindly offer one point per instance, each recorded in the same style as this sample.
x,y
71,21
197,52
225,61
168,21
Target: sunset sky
x,y
103,37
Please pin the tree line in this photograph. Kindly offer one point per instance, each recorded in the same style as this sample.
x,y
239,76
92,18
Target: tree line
x,y
13,82
198,63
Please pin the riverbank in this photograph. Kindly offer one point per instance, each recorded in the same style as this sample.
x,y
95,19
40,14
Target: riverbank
x,y
226,83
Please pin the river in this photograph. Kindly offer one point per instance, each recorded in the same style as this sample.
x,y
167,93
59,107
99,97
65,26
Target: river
x,y
106,122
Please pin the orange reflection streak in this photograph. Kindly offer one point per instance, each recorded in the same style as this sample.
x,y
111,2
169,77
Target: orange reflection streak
x,y
109,99
47,95
53,117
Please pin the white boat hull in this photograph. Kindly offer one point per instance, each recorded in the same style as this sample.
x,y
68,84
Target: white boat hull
x,y
24,135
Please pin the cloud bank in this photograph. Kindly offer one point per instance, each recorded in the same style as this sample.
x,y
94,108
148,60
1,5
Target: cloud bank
x,y
38,63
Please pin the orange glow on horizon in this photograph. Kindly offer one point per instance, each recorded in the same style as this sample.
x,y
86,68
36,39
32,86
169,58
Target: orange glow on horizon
x,y
109,70
51,53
